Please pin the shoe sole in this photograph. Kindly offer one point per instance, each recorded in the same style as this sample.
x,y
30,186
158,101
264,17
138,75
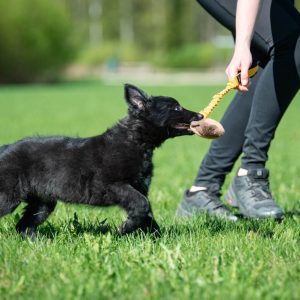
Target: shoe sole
x,y
181,213
230,199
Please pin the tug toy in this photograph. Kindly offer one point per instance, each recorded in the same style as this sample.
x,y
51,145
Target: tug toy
x,y
209,128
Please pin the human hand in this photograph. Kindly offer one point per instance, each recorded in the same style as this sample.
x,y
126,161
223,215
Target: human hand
x,y
240,62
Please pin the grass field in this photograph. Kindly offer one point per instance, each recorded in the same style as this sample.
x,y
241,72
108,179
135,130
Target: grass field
x,y
75,257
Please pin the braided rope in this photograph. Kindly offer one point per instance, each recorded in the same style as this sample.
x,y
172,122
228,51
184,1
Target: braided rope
x,y
232,84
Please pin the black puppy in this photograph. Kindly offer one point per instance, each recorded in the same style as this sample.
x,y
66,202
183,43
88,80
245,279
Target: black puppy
x,y
114,168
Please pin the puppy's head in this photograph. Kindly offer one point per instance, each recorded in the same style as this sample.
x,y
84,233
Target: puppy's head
x,y
164,113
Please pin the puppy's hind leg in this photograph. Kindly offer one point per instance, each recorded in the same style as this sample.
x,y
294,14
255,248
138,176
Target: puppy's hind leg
x,y
36,212
138,208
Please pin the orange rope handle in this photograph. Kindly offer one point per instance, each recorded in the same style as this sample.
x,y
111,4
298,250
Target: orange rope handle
x,y
232,84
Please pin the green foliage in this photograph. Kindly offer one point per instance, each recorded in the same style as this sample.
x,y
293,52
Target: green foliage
x,y
35,40
73,257
165,27
109,52
175,34
192,56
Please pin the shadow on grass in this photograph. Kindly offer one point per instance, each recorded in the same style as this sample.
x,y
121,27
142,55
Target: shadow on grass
x,y
201,224
76,228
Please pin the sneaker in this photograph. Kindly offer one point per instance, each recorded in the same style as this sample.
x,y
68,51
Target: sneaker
x,y
204,201
251,194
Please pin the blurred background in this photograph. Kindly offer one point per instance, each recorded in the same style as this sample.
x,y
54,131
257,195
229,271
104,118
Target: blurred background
x,y
114,40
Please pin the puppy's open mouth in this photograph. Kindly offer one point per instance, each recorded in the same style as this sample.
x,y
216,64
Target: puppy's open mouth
x,y
182,126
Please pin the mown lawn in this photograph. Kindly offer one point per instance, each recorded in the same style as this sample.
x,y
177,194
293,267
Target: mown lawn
x,y
78,254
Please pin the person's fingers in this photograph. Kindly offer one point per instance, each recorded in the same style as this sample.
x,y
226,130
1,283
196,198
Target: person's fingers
x,y
231,71
240,63
227,71
244,77
242,88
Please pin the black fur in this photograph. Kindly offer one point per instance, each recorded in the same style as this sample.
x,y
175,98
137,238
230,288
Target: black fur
x,y
114,168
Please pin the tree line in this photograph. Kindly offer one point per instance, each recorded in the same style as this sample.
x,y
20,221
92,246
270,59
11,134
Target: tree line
x,y
149,24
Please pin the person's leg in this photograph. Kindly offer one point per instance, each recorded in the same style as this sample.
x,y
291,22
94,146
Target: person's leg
x,y
224,151
204,195
278,85
268,32
270,40
275,90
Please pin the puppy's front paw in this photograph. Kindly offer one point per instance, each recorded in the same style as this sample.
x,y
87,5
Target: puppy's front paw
x,y
27,233
151,226
127,227
146,224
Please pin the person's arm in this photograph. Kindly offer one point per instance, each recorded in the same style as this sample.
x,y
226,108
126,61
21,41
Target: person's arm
x,y
241,61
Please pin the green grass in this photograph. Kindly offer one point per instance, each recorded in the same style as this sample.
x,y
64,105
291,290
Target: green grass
x,y
74,258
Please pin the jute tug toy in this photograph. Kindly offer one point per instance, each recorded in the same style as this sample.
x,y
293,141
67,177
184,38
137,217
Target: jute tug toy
x,y
209,128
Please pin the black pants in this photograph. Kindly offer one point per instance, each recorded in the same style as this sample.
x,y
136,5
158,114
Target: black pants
x,y
252,117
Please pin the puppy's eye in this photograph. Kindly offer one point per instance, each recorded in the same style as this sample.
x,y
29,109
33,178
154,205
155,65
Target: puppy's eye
x,y
178,108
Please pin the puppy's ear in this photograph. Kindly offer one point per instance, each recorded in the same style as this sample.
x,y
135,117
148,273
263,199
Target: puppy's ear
x,y
135,97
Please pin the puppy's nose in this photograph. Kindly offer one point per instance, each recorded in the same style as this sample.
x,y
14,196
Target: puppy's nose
x,y
198,117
